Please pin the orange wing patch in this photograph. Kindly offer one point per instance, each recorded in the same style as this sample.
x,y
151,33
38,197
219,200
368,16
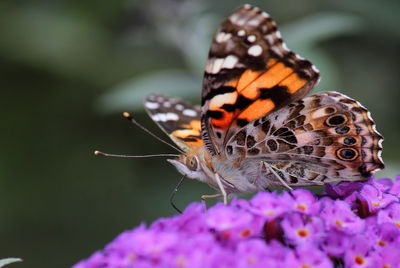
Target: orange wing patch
x,y
257,109
278,74
247,78
189,133
293,83
255,94
217,103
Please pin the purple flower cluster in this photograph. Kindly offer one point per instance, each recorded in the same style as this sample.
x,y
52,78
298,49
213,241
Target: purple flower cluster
x,y
353,224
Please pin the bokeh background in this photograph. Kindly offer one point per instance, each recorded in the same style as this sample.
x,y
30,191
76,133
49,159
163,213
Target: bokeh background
x,y
68,69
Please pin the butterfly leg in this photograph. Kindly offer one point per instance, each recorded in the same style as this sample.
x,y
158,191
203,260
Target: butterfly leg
x,y
221,187
279,178
208,196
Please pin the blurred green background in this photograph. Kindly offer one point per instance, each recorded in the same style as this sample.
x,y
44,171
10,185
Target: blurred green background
x,y
68,69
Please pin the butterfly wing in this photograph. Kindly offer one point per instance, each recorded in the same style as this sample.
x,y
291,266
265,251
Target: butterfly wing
x,y
180,120
249,73
321,138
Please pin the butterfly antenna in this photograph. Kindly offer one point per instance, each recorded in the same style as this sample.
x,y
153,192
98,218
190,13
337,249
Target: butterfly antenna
x,y
134,156
171,198
130,118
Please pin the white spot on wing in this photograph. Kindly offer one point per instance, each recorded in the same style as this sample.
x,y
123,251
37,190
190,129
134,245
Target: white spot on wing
x,y
277,51
265,14
269,38
314,68
380,156
254,22
179,107
369,116
230,62
251,38
374,128
221,99
234,18
216,67
284,47
241,32
255,50
209,65
172,117
152,105
167,104
165,117
299,57
189,112
380,143
222,37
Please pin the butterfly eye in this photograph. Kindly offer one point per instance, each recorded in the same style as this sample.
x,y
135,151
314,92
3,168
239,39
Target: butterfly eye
x,y
192,163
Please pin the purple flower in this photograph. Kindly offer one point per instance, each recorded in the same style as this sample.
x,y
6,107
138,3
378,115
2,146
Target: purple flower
x,y
395,189
383,185
232,223
335,243
353,224
192,220
271,205
193,253
374,198
343,189
385,234
308,256
390,214
300,229
359,253
96,260
338,215
389,257
305,202
218,257
254,254
148,243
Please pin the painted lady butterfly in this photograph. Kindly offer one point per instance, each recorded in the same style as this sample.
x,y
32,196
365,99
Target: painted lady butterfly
x,y
255,127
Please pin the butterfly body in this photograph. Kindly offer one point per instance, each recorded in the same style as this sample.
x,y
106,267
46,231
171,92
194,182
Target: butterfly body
x,y
256,127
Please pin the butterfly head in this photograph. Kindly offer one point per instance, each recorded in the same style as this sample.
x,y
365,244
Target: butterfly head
x,y
192,166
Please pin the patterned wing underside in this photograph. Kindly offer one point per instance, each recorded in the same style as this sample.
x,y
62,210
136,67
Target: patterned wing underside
x,y
321,138
180,120
249,73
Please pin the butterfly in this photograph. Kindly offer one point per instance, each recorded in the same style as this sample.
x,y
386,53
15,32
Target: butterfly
x,y
256,127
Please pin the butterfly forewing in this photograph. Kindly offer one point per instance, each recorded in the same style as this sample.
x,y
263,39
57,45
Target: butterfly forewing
x,y
180,120
249,73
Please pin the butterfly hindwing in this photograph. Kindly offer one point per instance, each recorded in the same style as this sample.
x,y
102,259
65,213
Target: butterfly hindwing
x,y
249,73
180,120
322,138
